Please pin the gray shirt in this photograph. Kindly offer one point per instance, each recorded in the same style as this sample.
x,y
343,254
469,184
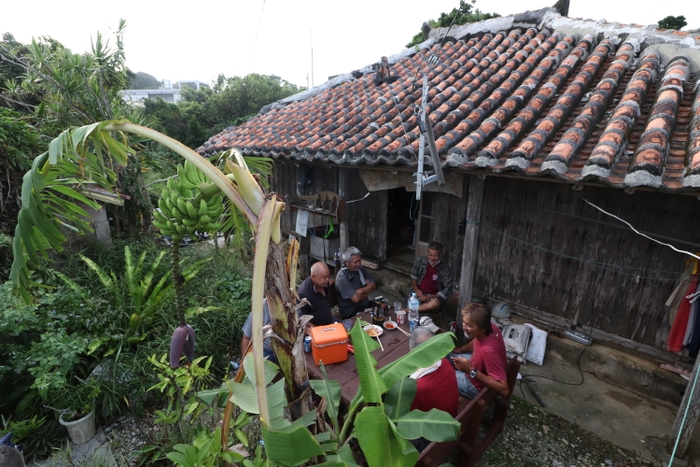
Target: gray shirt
x,y
346,284
248,326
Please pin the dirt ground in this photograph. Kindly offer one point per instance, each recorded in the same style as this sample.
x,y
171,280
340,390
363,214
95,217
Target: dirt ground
x,y
535,438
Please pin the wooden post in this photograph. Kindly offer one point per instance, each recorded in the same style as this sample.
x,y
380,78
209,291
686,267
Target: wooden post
x,y
471,238
691,419
343,192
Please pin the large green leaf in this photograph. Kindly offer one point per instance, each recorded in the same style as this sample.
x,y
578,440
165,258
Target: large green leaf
x,y
421,356
331,391
291,447
400,397
378,440
371,384
434,425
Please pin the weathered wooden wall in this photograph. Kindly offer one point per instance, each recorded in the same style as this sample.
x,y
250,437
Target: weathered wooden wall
x,y
366,219
449,211
542,246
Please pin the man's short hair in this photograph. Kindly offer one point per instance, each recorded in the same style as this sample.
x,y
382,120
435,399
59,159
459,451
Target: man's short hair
x,y
349,253
418,336
316,266
480,315
435,246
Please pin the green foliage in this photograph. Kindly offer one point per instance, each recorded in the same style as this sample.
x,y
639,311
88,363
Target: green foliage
x,y
458,16
673,22
51,192
207,111
143,80
205,451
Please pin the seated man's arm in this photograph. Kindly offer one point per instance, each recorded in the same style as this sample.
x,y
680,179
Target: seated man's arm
x,y
500,386
445,284
245,341
466,348
363,292
465,365
416,289
247,332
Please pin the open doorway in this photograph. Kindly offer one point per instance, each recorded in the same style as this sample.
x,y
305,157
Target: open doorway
x,y
402,216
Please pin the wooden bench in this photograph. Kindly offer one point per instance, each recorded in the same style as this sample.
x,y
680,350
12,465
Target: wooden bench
x,y
470,415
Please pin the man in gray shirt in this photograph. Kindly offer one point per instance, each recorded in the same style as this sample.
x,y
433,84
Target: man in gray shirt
x,y
353,284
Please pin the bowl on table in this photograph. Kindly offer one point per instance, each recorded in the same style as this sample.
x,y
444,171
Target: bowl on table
x,y
390,325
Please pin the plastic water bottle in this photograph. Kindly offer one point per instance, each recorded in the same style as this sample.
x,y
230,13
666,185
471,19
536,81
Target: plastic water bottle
x,y
413,315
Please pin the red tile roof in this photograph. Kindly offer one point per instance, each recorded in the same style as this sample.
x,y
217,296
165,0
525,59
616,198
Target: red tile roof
x,y
609,106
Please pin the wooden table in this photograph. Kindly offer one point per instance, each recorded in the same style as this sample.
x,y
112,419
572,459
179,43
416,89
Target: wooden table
x,y
395,345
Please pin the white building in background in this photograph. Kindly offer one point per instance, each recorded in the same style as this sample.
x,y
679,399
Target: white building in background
x,y
167,92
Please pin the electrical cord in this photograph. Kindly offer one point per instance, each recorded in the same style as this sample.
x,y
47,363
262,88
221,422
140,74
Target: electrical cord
x,y
578,364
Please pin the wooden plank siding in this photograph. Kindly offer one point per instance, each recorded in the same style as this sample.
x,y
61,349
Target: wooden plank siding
x,y
541,246
366,219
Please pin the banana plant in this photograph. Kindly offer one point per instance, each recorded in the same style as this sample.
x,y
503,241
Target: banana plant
x,y
85,155
379,417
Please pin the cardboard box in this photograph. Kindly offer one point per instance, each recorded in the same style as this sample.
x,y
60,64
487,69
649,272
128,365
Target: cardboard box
x,y
329,344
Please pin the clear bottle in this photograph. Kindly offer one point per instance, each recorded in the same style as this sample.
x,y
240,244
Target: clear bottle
x,y
413,315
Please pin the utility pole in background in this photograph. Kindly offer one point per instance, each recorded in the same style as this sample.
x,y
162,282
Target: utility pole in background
x,y
312,57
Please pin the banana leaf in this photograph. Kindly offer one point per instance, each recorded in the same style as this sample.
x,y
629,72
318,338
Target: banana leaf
x,y
434,425
371,384
400,397
291,447
379,442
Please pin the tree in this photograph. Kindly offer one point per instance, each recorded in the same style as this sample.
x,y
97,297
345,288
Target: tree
x,y
207,111
381,428
456,17
143,80
673,22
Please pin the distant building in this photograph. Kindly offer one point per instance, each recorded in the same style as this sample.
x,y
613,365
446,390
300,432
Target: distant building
x,y
166,92
194,84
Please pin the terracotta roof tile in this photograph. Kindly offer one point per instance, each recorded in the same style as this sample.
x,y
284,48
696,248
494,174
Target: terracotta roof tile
x,y
540,103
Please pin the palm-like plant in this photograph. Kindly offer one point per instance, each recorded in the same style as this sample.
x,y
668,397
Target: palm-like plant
x,y
84,155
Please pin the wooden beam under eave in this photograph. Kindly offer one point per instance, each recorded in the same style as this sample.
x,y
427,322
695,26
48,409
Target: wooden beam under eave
x,y
471,238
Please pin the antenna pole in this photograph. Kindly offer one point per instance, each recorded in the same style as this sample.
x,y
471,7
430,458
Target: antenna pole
x,y
312,58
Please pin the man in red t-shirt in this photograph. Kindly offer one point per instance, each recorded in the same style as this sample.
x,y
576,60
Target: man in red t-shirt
x,y
431,279
436,386
487,365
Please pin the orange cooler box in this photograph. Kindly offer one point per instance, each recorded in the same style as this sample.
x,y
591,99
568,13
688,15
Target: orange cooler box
x,y
329,343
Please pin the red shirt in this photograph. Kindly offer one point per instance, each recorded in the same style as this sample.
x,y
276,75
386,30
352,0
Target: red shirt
x,y
438,390
429,284
489,357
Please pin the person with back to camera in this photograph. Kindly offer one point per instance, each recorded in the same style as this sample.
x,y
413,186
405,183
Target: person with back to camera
x,y
487,365
436,386
353,284
431,279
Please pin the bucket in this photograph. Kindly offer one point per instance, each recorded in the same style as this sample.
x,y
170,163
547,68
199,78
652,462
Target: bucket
x,y
82,430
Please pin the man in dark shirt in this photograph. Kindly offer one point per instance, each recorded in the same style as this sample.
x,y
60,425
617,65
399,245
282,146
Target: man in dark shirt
x,y
353,284
316,289
431,279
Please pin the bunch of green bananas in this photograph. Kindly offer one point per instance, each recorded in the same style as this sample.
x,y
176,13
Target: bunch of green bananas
x,y
185,209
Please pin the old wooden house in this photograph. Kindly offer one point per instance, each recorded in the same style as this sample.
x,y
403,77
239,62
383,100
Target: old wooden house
x,y
537,121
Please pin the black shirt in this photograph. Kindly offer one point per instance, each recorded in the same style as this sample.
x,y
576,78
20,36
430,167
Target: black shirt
x,y
320,307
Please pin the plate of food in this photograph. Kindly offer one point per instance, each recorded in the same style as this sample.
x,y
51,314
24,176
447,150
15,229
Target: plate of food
x,y
390,325
373,330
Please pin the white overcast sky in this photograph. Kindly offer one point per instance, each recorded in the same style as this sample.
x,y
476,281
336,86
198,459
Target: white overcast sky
x,y
193,40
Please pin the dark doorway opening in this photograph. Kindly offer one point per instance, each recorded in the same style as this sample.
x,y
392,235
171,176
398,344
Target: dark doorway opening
x,y
402,213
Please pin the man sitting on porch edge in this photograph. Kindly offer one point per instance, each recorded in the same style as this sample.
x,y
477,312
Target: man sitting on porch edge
x,y
431,280
353,284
